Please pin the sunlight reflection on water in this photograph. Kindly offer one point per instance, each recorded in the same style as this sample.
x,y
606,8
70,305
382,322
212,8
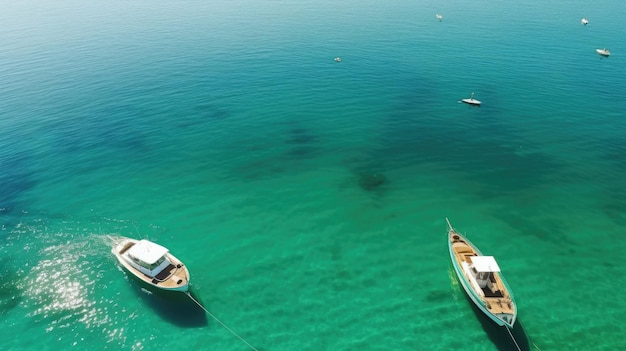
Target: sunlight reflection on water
x,y
62,269
57,285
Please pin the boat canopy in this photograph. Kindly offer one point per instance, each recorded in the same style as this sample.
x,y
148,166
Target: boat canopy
x,y
485,264
147,251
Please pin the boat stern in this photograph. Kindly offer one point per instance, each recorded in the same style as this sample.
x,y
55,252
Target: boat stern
x,y
121,246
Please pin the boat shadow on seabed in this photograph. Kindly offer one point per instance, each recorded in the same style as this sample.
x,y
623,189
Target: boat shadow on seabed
x,y
173,306
499,335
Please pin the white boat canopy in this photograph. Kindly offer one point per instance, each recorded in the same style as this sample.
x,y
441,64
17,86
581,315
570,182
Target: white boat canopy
x,y
147,251
485,264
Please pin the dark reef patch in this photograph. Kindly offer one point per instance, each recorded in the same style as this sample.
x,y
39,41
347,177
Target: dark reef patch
x,y
301,152
301,136
207,111
15,179
371,181
549,231
111,125
615,205
301,142
480,145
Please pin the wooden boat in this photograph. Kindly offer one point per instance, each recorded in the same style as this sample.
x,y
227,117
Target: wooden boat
x,y
481,279
152,264
471,100
603,52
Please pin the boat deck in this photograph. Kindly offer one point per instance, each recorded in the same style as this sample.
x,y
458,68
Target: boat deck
x,y
168,271
173,275
496,297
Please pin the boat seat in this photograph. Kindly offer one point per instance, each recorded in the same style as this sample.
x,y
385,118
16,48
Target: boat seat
x,y
461,247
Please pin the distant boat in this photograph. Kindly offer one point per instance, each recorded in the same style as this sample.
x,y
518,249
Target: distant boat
x,y
337,59
439,17
471,100
584,21
603,52
152,264
481,279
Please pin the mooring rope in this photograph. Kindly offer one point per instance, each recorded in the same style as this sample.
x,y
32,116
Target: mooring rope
x,y
513,338
220,322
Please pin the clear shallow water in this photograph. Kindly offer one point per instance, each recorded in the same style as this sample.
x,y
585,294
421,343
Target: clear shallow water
x,y
226,132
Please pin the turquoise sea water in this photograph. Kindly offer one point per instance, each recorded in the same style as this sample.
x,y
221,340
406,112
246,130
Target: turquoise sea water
x,y
308,197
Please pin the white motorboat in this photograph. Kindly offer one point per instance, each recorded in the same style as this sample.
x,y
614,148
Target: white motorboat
x,y
603,52
584,21
337,59
471,100
439,17
481,279
152,264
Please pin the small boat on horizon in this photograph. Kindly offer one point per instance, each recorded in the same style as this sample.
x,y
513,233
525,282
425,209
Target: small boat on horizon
x,y
439,17
481,279
471,100
584,21
152,264
603,52
337,59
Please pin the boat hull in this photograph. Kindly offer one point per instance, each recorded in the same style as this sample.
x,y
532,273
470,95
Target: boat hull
x,y
603,53
502,319
471,102
179,281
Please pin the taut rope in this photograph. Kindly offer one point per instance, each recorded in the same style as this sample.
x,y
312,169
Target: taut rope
x,y
512,338
220,322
